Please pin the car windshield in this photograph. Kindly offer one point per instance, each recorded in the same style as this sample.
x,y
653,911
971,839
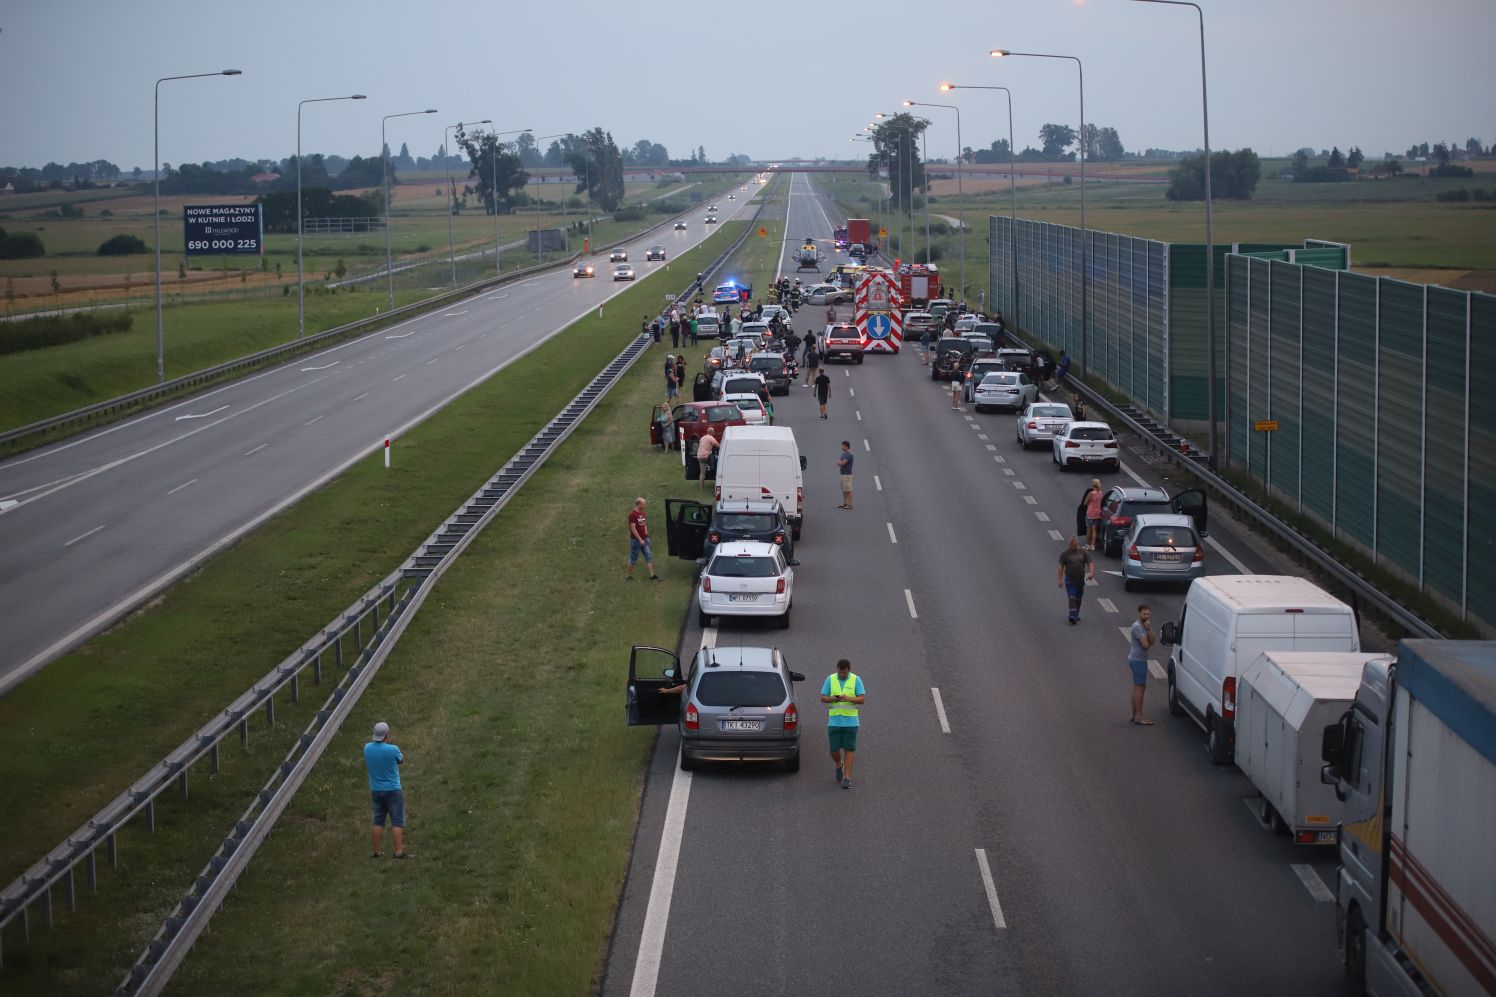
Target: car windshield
x,y
757,522
720,688
992,380
741,386
980,343
770,363
743,566
1166,536
988,328
1090,433
956,346
723,413
1140,507
748,402
1050,411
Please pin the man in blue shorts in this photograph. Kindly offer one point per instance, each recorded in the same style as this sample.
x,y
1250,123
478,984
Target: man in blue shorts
x,y
843,692
1140,638
383,760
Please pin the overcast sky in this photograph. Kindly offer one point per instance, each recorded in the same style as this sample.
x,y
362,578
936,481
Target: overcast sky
x,y
772,80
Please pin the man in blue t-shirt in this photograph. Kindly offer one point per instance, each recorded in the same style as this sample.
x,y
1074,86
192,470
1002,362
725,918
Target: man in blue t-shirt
x,y
844,693
383,760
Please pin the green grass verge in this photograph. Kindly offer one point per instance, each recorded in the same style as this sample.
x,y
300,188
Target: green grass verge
x,y
526,746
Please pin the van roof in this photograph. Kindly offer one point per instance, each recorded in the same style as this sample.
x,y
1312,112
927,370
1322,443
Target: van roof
x,y
758,433
1271,593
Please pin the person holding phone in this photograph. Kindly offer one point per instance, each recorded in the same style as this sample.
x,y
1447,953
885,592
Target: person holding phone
x,y
844,693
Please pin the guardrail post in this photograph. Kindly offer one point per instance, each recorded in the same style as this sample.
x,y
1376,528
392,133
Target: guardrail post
x,y
113,851
47,907
69,891
244,734
150,814
337,658
270,710
213,759
295,688
358,632
182,784
93,870
376,615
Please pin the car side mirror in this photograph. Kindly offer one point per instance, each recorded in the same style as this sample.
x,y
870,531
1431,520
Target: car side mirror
x,y
794,562
803,462
797,676
1169,634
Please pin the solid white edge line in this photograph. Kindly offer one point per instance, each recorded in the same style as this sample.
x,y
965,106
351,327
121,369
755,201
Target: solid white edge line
x,y
991,888
909,599
1235,561
945,725
891,538
1133,475
1316,886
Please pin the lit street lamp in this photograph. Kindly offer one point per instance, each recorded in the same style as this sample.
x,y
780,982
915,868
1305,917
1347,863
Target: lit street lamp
x,y
452,194
1012,184
384,152
300,282
960,187
160,339
999,53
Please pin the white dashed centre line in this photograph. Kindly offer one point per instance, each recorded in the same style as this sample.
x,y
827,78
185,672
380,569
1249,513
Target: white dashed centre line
x,y
992,446
362,397
1009,471
891,538
1001,460
453,314
1107,604
1316,886
991,889
908,599
1031,500
866,446
945,726
1020,486
851,392
251,453
1042,517
457,349
859,416
396,378
1126,633
877,484
185,484
1157,671
1056,535
83,536
311,421
431,361
969,418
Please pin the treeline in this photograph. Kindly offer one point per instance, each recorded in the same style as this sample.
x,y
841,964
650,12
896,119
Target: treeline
x,y
55,330
317,202
26,179
204,178
1233,176
1102,144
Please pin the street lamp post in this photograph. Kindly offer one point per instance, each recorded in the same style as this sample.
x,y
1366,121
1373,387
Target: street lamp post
x,y
1210,312
160,338
1012,186
452,194
537,192
384,152
497,269
960,187
300,280
998,53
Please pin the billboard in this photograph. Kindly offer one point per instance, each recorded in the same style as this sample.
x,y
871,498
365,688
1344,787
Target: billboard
x,y
223,229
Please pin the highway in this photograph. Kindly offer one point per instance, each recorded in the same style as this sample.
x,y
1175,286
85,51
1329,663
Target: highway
x,y
109,518
1009,831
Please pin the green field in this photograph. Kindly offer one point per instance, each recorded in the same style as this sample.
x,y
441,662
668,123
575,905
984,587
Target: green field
x,y
505,694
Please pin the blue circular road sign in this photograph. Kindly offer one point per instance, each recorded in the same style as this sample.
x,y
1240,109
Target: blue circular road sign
x,y
878,326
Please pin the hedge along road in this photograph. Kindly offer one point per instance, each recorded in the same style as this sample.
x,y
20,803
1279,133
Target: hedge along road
x,y
107,520
172,665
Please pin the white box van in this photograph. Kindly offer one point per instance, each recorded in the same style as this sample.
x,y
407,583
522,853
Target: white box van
x,y
762,462
1227,621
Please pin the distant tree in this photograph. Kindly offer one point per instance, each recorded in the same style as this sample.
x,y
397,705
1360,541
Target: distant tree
x,y
1441,154
1355,157
135,173
1393,167
526,148
20,245
598,165
1337,160
701,154
1056,139
122,245
1300,161
1233,176
1473,147
893,140
403,160
499,173
1109,146
361,172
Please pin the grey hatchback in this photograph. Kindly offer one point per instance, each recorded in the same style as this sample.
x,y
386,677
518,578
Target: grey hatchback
x,y
738,704
1162,547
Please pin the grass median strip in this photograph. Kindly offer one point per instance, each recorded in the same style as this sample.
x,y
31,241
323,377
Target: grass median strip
x,y
81,730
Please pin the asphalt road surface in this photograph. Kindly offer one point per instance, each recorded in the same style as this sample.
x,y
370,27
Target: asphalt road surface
x,y
109,518
1009,831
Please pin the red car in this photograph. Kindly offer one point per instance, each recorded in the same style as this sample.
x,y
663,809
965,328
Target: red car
x,y
691,420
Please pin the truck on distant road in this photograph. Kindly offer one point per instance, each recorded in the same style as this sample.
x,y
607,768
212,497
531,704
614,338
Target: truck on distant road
x,y
840,238
860,230
1414,764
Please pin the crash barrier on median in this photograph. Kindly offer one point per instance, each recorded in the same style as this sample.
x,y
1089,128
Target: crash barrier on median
x,y
382,613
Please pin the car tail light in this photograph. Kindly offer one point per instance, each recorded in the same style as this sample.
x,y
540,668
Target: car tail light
x,y
779,537
1111,444
791,718
779,587
1032,424
799,500
1132,553
1071,444
693,718
706,583
1119,521
718,491
1228,697
714,537
1199,554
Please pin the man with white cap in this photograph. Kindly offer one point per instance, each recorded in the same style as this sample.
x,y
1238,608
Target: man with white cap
x,y
383,760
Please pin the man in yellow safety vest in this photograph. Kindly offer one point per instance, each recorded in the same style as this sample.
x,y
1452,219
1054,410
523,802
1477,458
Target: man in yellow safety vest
x,y
843,691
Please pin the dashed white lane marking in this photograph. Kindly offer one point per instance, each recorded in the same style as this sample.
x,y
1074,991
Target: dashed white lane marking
x,y
318,419
1107,604
1042,517
1157,670
402,335
891,538
362,397
877,484
991,888
846,373
251,453
992,446
866,446
851,392
396,378
1134,476
458,349
83,536
432,361
323,367
204,415
945,726
969,418
1235,562
185,484
1316,886
1031,500
859,416
1020,486
1056,535
909,600
1126,633
1009,471
453,314
1001,460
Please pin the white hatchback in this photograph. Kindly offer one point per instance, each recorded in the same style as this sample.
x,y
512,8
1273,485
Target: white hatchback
x,y
1083,443
752,408
746,579
1004,389
1040,421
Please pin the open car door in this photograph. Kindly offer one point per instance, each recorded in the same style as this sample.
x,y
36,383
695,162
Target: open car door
x,y
651,671
1193,503
686,523
659,422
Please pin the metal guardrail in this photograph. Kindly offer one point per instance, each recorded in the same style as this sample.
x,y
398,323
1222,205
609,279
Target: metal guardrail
x,y
397,597
1181,452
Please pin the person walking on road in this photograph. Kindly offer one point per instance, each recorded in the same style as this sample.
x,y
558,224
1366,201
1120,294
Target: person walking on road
x,y
844,693
1140,637
956,392
812,364
1093,513
639,541
1076,568
823,390
383,761
844,466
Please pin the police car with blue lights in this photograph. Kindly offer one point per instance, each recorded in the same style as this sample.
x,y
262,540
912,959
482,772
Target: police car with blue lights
x,y
732,292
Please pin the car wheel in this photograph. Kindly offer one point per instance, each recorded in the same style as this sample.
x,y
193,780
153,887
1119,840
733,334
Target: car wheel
x,y
792,763
784,621
1171,696
1217,743
1128,585
934,376
861,357
704,620
687,763
1355,951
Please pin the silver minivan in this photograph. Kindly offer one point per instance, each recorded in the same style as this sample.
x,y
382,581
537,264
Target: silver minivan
x,y
1161,547
738,704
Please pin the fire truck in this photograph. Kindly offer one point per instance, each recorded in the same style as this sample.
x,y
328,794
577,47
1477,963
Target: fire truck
x,y
919,284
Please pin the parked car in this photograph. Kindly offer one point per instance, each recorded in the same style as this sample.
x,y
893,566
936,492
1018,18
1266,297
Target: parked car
x,y
693,419
953,357
917,324
842,341
828,294
623,272
1161,548
775,370
584,270
736,381
758,462
746,579
618,256
756,331
1040,421
980,368
991,330
738,704
752,407
694,530
1121,504
654,253
981,346
1004,389
965,324
1081,444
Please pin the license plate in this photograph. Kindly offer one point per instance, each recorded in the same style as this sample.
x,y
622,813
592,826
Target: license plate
x,y
741,597
1325,838
1168,557
1053,426
742,725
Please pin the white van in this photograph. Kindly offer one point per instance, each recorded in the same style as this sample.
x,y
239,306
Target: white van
x,y
1227,621
762,462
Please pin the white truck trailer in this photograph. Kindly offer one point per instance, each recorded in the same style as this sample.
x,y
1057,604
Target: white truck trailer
x,y
1284,702
1414,761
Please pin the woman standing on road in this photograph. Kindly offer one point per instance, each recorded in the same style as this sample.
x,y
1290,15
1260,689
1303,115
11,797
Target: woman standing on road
x,y
1093,513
